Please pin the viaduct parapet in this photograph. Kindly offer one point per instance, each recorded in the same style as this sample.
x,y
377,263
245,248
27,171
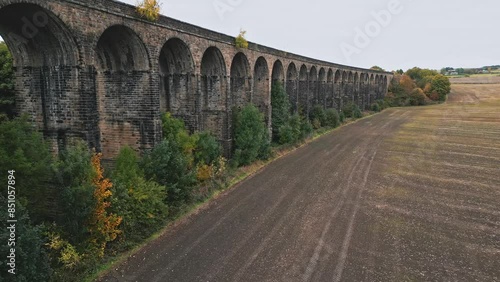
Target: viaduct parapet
x,y
94,70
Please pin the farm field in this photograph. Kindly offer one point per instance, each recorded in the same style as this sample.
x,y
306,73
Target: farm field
x,y
411,194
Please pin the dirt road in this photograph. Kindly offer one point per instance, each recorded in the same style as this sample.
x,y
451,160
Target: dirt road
x,y
410,194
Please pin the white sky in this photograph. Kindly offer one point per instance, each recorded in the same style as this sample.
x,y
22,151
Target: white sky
x,y
425,33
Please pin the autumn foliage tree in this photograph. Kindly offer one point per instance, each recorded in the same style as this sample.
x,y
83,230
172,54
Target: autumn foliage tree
x,y
149,9
103,225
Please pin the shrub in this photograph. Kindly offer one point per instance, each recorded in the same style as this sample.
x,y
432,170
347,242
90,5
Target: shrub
x,y
375,107
141,203
7,93
332,118
74,199
352,110
250,135
281,109
175,131
34,264
169,166
318,117
103,225
417,97
207,150
241,41
24,150
306,129
342,117
149,9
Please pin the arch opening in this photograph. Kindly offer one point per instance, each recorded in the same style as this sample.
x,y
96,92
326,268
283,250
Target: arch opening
x,y
213,91
123,81
292,86
177,83
241,88
303,91
261,88
45,60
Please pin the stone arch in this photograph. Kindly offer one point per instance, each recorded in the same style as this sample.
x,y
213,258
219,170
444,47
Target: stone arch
x,y
292,86
213,91
313,89
120,49
241,85
337,89
46,58
177,83
329,100
121,56
278,73
357,99
303,90
322,87
261,88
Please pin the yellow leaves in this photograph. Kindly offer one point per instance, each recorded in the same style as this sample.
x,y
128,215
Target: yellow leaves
x,y
68,255
241,41
103,226
205,172
149,9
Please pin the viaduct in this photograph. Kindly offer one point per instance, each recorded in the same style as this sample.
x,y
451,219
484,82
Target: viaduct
x,y
94,70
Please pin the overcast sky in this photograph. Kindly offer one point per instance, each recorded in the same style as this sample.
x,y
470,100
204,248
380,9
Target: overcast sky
x,y
425,33
393,34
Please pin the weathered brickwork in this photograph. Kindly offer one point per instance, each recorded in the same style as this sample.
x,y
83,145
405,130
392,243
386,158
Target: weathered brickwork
x,y
93,70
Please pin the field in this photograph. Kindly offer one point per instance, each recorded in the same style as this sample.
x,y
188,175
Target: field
x,y
410,194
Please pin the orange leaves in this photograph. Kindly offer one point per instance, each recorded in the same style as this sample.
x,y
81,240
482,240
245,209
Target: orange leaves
x,y
103,226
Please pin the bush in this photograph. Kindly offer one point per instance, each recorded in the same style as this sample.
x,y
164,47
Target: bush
x,y
417,97
241,41
332,118
318,117
149,9
24,150
375,107
169,166
207,150
342,117
352,110
250,136
306,129
175,131
32,260
74,193
281,109
141,203
7,93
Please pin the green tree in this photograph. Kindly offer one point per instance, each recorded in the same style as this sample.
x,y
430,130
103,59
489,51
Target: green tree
x,y
441,85
141,203
318,117
24,150
251,140
208,150
281,109
332,118
169,166
31,257
377,68
7,94
74,200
